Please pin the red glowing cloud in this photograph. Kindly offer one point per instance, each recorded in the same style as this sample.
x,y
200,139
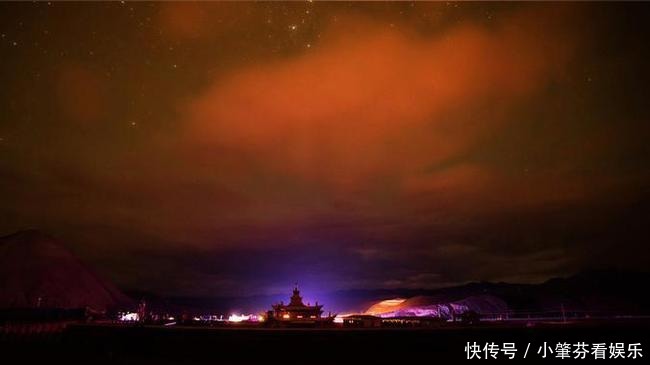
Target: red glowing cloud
x,y
370,100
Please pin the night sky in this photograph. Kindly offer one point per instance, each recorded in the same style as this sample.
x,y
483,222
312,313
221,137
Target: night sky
x,y
214,149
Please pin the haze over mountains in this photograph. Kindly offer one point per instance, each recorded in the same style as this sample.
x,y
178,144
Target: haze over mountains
x,y
596,292
36,270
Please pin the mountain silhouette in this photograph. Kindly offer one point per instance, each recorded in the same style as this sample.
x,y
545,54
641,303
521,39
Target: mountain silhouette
x,y
37,271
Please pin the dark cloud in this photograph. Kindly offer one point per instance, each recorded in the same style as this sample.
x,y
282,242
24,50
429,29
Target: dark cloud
x,y
233,148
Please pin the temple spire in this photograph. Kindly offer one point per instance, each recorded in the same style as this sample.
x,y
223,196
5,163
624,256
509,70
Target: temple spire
x,y
296,299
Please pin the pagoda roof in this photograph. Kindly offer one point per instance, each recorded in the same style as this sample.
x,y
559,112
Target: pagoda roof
x,y
296,304
297,307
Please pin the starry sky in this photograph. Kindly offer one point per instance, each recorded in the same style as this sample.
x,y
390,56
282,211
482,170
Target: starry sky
x,y
216,149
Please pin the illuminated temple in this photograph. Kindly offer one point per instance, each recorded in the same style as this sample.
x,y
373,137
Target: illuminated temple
x,y
297,312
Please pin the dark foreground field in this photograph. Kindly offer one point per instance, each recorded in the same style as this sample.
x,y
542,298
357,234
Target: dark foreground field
x,y
97,344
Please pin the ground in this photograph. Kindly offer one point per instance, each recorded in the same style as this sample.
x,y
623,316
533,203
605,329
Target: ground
x,y
98,344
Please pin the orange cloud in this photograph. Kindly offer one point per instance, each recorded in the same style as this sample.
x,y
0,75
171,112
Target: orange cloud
x,y
371,101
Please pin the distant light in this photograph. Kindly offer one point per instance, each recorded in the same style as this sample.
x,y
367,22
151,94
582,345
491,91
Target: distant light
x,y
384,306
392,302
286,316
238,318
129,317
299,316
